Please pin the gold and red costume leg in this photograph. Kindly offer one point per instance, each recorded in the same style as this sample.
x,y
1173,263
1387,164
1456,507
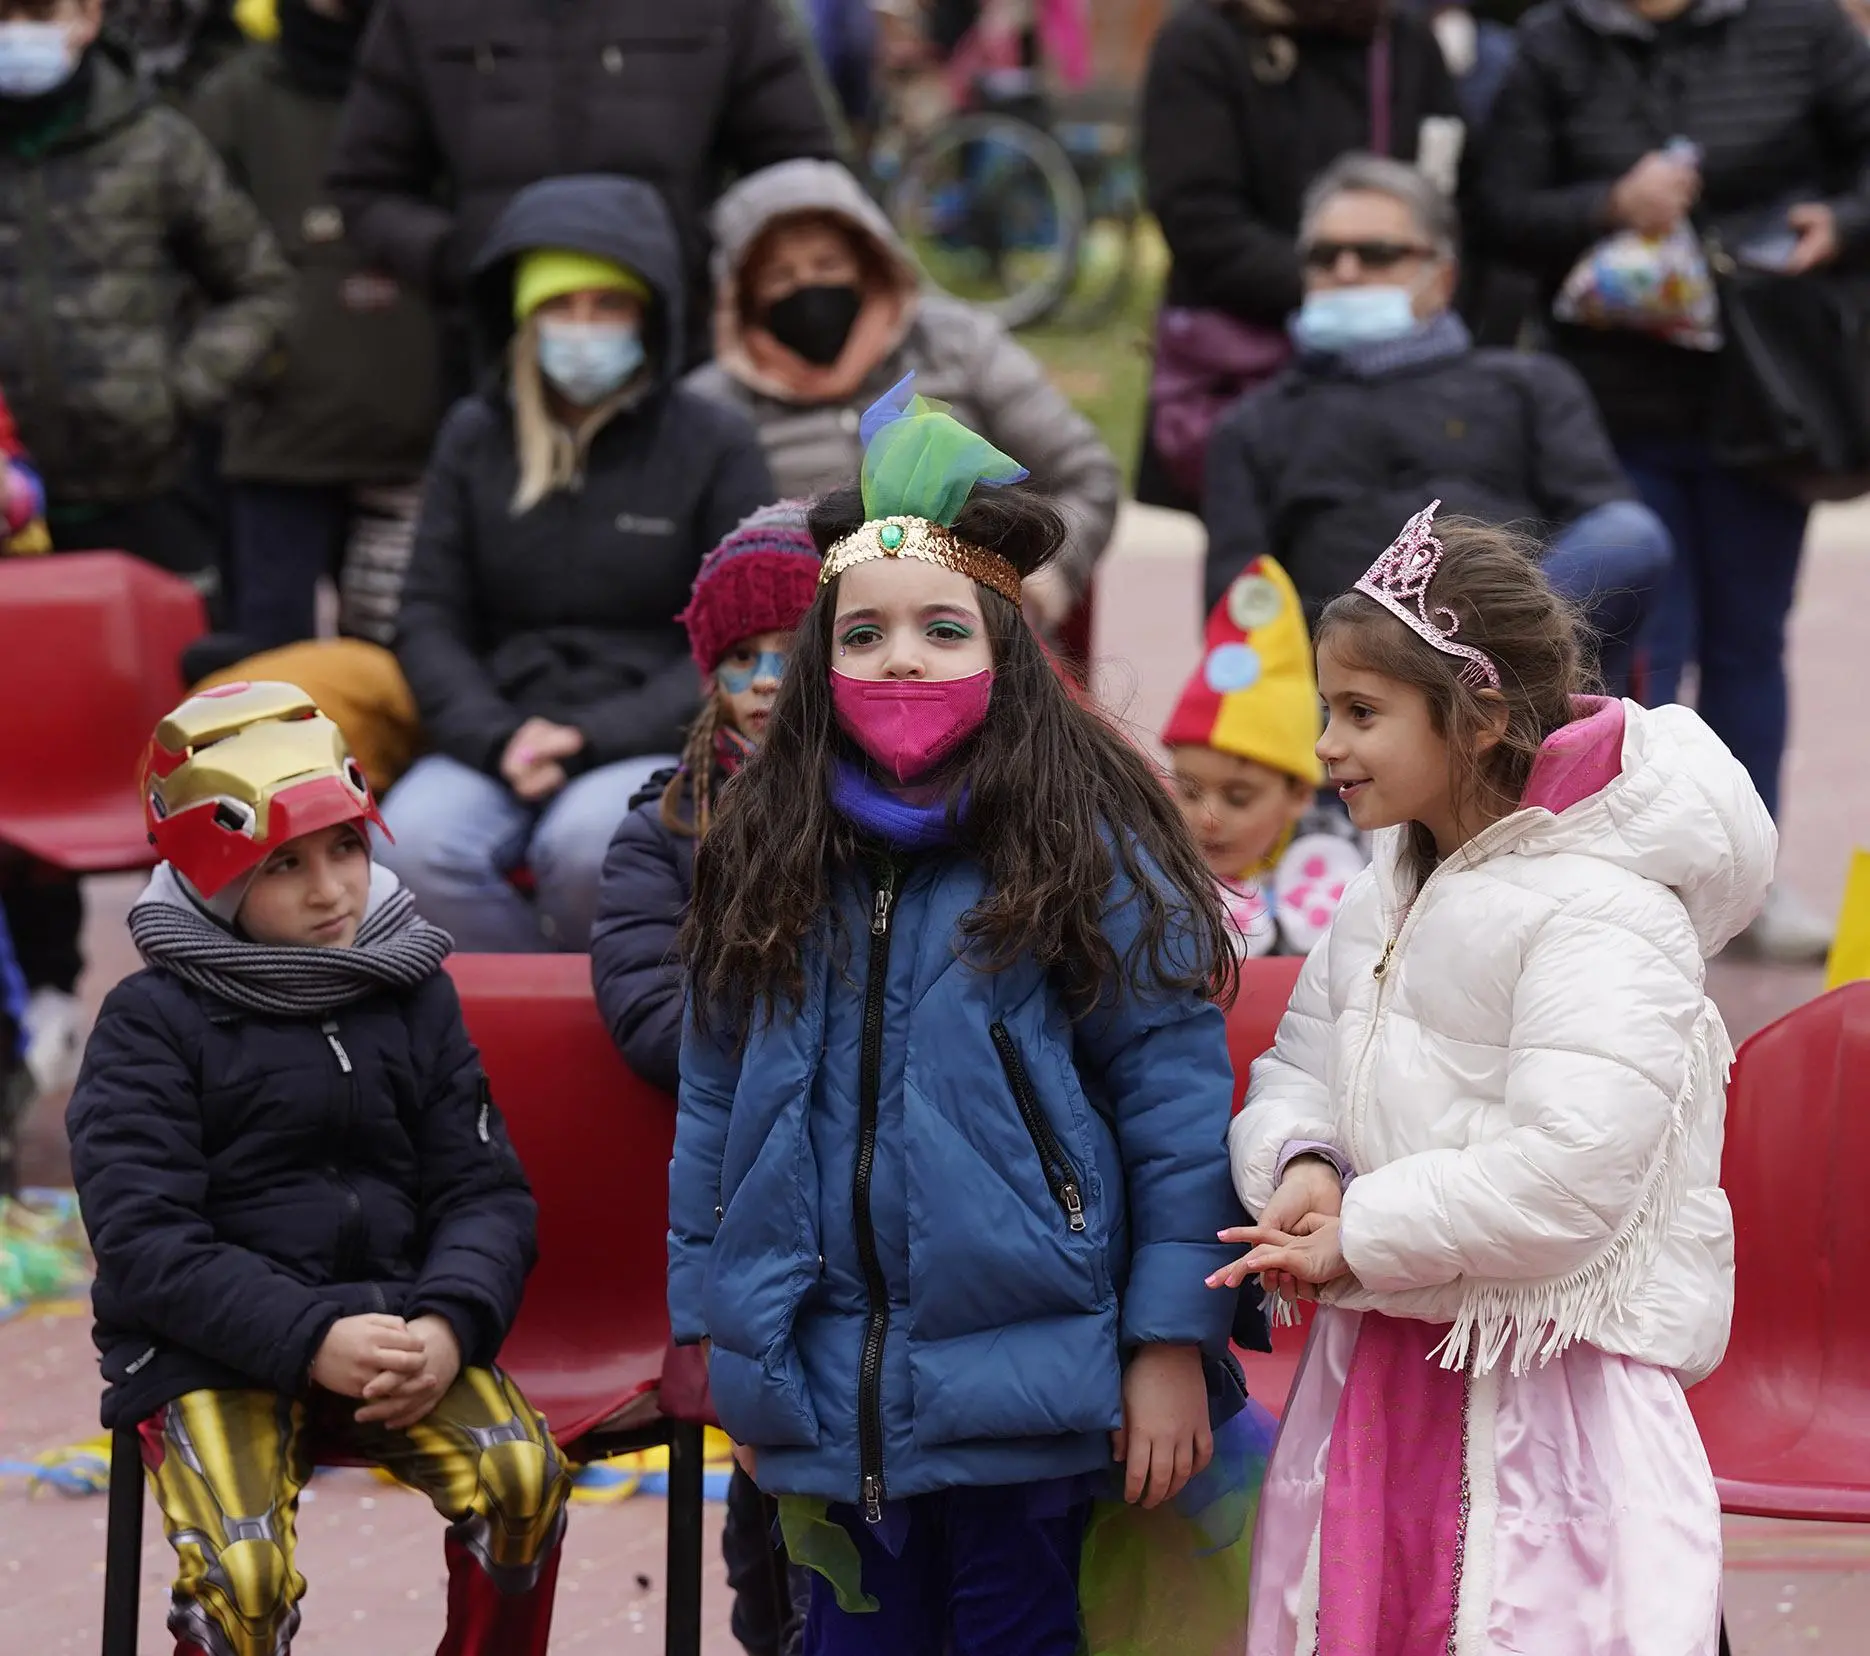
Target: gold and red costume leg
x,y
227,1469
489,1466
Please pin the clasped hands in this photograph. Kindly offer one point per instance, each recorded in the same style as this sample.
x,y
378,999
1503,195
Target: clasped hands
x,y
399,1370
1295,1246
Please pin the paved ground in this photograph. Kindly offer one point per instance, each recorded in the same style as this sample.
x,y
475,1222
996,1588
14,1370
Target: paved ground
x,y
372,1553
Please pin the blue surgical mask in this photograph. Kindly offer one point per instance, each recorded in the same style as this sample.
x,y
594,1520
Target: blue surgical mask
x,y
588,361
768,667
1339,318
35,58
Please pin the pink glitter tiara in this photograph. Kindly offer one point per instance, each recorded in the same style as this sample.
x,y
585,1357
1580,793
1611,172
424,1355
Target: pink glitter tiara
x,y
1401,577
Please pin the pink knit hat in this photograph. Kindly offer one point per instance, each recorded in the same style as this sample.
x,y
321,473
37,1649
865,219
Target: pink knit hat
x,y
761,578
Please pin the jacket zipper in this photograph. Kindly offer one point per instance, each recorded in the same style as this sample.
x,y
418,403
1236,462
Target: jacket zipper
x,y
1060,1177
869,1088
351,1234
1398,928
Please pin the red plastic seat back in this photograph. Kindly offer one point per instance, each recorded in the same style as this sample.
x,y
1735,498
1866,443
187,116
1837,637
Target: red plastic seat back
x,y
1265,987
595,1141
89,662
1797,1172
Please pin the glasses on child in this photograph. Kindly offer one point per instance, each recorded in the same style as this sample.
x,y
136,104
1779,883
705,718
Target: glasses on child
x,y
1372,255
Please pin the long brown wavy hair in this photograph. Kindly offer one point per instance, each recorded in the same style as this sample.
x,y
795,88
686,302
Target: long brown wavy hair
x,y
1059,805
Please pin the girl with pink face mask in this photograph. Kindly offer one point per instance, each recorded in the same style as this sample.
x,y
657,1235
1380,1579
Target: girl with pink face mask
x,y
947,1174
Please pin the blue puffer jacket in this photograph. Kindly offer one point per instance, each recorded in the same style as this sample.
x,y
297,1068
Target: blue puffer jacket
x,y
923,1220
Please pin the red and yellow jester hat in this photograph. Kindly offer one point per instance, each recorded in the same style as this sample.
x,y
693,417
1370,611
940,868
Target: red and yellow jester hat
x,y
1255,694
235,772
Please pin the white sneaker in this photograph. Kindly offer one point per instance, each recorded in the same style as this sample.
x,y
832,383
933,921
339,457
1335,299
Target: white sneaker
x,y
1789,931
54,1031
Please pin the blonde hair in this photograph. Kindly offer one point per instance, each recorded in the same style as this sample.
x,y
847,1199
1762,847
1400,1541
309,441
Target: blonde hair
x,y
551,456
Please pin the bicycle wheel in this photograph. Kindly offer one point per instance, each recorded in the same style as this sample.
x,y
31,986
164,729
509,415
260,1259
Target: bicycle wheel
x,y
1111,250
993,210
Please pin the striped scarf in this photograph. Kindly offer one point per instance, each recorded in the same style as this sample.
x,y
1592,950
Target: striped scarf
x,y
395,949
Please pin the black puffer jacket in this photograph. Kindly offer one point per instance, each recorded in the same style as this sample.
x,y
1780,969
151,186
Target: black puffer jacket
x,y
1322,467
479,98
1776,93
568,611
359,397
643,897
1228,146
243,1191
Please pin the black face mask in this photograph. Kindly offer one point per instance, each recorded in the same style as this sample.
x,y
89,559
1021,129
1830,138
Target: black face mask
x,y
815,322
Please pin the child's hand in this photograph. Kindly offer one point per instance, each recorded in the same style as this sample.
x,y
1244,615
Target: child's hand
x,y
1311,1185
1165,1438
358,1351
747,1460
1311,1253
398,1399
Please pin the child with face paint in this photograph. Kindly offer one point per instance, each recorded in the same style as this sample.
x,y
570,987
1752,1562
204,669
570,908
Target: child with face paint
x,y
947,1174
748,598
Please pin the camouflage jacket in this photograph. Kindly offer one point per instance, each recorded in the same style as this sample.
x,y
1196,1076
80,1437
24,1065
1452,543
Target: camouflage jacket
x,y
138,290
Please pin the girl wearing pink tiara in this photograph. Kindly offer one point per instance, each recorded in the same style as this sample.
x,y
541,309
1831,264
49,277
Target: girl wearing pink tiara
x,y
1488,1139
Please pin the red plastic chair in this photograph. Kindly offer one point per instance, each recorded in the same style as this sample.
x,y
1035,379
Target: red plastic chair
x,y
589,1344
90,648
1265,987
1786,1418
1253,1019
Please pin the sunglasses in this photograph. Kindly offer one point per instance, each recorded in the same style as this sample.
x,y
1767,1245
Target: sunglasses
x,y
1372,255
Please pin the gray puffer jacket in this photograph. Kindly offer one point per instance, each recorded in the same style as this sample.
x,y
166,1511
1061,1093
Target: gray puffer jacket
x,y
961,355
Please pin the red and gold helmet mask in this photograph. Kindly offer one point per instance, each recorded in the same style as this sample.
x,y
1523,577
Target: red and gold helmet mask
x,y
235,772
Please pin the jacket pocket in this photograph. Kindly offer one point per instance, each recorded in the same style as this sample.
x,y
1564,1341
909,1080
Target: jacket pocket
x,y
1061,1177
126,1359
760,1403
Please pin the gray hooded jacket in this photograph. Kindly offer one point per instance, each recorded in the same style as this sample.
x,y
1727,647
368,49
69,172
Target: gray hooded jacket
x,y
960,354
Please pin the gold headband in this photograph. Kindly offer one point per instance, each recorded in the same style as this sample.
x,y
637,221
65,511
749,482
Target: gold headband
x,y
914,537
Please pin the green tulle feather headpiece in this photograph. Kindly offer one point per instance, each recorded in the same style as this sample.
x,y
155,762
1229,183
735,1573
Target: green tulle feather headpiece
x,y
920,466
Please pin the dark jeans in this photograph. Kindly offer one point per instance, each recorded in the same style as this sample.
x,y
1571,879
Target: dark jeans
x,y
1737,547
981,1574
770,1595
1612,562
286,537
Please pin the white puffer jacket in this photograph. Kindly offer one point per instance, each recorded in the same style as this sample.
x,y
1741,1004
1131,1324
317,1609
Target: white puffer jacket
x,y
1522,1068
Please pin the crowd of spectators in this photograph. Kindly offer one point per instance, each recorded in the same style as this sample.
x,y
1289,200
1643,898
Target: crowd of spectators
x,y
499,316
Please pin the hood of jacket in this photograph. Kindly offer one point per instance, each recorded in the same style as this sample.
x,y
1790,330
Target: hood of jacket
x,y
1665,801
743,215
620,219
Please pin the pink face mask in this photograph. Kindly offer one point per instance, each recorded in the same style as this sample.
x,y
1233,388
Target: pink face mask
x,y
908,726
